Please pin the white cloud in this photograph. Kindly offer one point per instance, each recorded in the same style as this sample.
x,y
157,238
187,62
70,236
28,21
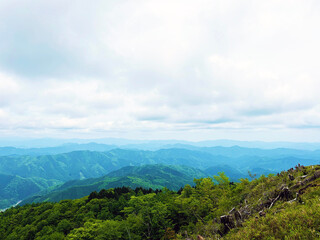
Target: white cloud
x,y
170,68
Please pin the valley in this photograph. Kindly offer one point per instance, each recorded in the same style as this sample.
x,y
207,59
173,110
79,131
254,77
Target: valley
x,y
75,174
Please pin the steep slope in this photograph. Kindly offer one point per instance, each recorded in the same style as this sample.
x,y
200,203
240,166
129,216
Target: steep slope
x,y
147,176
288,208
15,188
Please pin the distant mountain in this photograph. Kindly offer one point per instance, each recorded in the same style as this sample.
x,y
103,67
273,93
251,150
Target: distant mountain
x,y
15,188
257,172
233,173
64,167
88,164
148,176
154,144
258,144
236,152
91,164
7,151
94,164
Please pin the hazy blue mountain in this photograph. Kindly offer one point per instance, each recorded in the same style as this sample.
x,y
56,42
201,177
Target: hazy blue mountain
x,y
261,171
155,144
281,164
90,164
233,173
64,167
258,144
147,176
15,188
236,151
93,164
6,151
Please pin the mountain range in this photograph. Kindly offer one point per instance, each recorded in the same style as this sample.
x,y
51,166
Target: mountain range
x,y
43,169
146,176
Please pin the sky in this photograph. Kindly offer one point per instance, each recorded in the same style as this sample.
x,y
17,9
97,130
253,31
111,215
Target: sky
x,y
170,69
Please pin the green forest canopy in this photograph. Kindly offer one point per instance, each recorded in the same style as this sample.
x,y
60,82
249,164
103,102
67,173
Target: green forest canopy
x,y
123,213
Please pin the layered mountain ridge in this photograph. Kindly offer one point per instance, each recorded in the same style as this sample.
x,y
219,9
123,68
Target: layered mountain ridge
x,y
52,169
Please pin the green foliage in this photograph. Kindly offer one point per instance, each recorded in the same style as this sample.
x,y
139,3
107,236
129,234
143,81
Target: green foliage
x,y
124,213
15,188
147,176
89,164
35,171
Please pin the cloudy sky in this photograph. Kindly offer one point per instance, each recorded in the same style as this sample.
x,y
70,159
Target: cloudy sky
x,y
194,70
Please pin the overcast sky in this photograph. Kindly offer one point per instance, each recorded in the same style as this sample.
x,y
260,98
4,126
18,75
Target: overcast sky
x,y
145,69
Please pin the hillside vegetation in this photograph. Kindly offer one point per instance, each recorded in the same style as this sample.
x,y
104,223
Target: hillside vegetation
x,y
147,176
91,164
282,206
16,188
36,174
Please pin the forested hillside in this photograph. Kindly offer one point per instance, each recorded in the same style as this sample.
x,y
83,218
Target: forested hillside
x,y
147,176
38,173
282,206
15,188
89,164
